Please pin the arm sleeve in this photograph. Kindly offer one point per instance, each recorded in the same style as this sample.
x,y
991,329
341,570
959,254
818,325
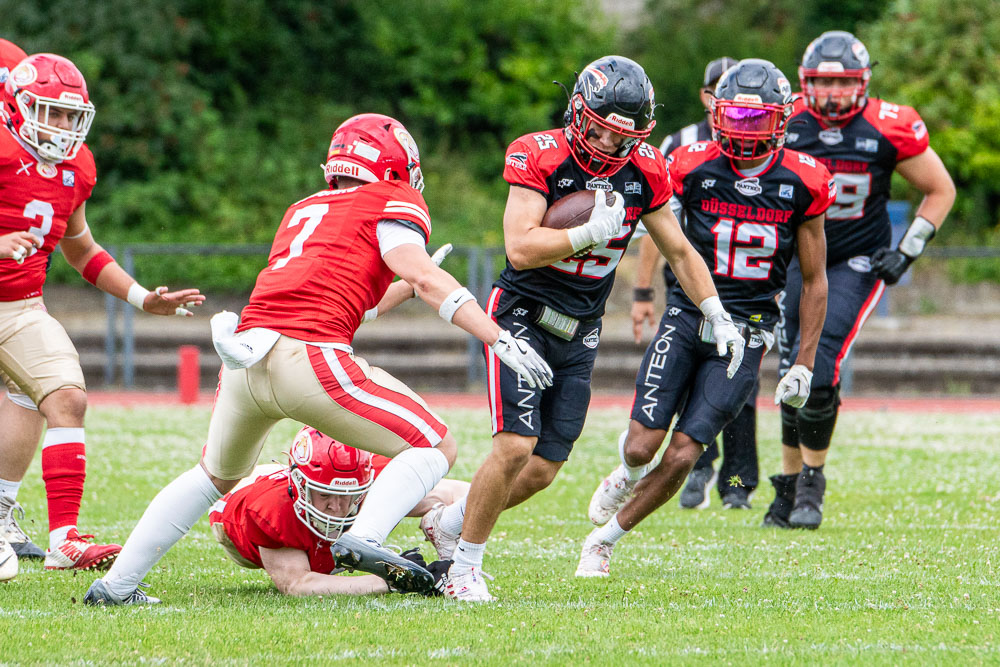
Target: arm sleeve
x,y
394,233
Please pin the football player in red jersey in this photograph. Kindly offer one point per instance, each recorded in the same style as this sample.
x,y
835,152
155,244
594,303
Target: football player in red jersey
x,y
284,519
751,206
332,261
46,176
862,141
555,286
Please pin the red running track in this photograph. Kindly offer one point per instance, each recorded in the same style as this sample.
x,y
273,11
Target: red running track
x,y
950,404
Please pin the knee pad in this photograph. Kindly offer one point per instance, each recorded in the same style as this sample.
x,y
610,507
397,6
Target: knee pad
x,y
789,426
818,417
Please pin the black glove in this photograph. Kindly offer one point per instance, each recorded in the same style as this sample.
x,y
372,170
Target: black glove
x,y
890,265
439,569
414,556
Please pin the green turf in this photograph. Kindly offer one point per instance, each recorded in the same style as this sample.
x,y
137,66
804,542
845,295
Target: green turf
x,y
905,568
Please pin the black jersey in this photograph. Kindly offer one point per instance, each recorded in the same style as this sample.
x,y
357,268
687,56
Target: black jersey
x,y
861,155
579,286
744,227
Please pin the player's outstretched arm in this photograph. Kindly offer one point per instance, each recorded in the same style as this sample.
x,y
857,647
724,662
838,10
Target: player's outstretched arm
x,y
456,305
101,270
927,173
401,290
289,570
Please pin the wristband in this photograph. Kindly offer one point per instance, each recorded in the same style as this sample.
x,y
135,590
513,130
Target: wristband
x,y
453,302
95,266
580,237
370,315
137,295
642,294
917,235
711,307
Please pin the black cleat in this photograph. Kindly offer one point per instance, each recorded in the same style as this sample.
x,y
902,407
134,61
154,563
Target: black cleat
x,y
403,575
99,595
696,494
784,500
808,510
737,498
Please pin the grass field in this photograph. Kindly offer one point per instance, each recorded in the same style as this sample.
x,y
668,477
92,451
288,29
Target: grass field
x,y
905,568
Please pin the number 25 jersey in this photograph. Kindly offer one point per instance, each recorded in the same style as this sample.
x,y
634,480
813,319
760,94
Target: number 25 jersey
x,y
745,227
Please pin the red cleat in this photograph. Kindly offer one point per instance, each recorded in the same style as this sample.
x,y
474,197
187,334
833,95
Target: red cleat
x,y
76,553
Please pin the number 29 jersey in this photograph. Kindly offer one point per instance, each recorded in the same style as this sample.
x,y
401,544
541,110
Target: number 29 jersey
x,y
861,155
579,286
37,197
744,227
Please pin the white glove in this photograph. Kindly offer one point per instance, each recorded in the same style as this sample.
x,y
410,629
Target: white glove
x,y
605,222
793,389
727,337
523,359
441,253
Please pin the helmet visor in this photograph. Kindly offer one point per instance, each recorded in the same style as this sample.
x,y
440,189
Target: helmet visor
x,y
749,130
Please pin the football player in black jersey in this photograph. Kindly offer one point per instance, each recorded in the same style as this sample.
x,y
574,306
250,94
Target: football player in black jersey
x,y
751,206
556,283
738,474
862,141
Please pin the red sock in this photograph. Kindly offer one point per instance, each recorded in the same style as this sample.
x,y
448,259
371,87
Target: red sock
x,y
64,467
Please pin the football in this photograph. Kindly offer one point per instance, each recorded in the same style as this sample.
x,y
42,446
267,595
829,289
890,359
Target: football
x,y
572,210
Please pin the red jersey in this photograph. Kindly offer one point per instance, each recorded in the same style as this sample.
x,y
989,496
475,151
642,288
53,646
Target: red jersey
x,y
262,514
325,269
37,197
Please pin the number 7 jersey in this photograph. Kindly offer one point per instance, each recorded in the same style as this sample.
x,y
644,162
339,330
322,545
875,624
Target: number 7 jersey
x,y
37,197
744,227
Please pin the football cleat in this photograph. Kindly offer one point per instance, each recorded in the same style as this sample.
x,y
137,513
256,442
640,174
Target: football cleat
x,y
737,498
77,553
443,541
610,496
8,561
99,595
595,559
11,531
467,584
696,494
784,500
405,576
808,509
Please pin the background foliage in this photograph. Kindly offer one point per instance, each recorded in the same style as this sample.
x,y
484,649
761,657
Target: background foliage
x,y
214,116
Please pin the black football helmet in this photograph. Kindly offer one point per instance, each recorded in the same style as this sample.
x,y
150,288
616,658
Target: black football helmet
x,y
751,107
841,55
612,92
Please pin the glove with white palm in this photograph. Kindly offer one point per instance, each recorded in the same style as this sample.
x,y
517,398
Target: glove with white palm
x,y
727,337
522,358
793,388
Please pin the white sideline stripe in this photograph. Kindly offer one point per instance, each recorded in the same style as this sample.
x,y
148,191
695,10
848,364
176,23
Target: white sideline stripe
x,y
394,206
491,362
61,436
363,396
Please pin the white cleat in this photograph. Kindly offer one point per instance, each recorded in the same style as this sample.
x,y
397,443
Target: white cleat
x,y
8,560
443,541
595,559
611,495
468,584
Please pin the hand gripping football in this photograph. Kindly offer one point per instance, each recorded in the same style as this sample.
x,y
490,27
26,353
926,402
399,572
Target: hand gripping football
x,y
572,211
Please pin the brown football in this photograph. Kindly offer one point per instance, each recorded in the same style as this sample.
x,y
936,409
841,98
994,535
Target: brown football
x,y
572,210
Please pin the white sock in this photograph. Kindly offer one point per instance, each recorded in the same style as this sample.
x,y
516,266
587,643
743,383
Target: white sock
x,y
58,536
9,488
633,474
402,484
468,554
167,519
610,532
453,517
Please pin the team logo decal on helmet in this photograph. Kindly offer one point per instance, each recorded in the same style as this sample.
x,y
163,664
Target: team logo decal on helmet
x,y
835,55
320,464
371,147
39,86
750,109
615,94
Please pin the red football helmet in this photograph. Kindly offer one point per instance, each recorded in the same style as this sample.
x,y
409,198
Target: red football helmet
x,y
10,55
36,86
371,147
319,463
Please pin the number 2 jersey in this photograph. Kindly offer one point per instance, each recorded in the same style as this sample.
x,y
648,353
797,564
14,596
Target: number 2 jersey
x,y
745,227
579,286
325,268
37,197
861,155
